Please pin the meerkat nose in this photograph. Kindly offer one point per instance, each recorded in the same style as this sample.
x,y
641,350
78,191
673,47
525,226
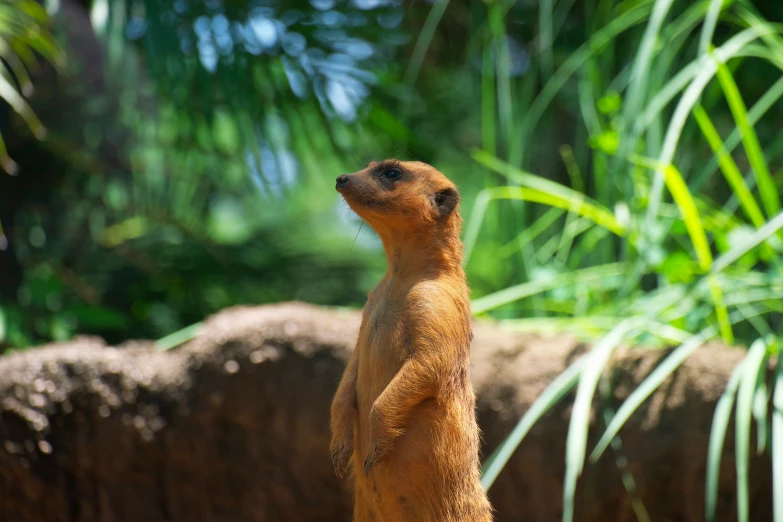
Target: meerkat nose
x,y
342,181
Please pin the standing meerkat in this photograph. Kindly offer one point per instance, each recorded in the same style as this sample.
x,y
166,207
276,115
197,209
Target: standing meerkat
x,y
403,416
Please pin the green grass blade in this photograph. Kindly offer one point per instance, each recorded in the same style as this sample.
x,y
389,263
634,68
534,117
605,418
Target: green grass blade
x,y
651,383
177,338
424,40
545,37
747,388
759,109
729,168
686,205
488,124
552,395
520,291
576,441
531,232
572,229
706,70
643,58
590,326
748,243
710,21
522,177
720,423
636,15
760,404
473,226
597,214
503,80
768,191
3,319
721,313
777,441
690,214
542,190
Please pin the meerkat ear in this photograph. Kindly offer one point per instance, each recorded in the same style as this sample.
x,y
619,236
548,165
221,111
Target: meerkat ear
x,y
446,201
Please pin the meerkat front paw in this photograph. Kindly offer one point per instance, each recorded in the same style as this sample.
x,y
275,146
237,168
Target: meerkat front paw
x,y
341,451
374,456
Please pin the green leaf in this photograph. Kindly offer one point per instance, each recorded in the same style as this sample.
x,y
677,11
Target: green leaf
x,y
520,291
226,133
729,168
720,424
551,193
644,56
100,318
423,42
693,223
747,388
686,205
710,21
551,396
702,74
530,232
651,383
9,93
759,109
610,103
679,267
721,312
760,405
777,441
3,328
769,192
748,243
690,214
576,442
573,202
179,337
607,141
598,41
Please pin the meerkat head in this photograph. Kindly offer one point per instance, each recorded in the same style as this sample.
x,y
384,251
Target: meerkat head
x,y
401,197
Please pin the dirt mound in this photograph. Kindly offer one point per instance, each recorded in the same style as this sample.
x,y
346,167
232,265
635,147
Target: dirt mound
x,y
233,426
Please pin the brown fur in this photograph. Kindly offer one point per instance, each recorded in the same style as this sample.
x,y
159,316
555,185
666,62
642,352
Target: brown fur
x,y
403,418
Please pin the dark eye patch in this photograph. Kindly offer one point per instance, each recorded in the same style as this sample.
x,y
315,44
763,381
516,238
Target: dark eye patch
x,y
389,171
392,174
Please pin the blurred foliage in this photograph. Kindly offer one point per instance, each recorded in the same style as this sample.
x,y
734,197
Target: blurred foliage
x,y
24,39
618,162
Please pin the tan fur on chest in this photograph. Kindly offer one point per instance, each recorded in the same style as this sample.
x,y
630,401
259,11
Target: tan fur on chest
x,y
381,350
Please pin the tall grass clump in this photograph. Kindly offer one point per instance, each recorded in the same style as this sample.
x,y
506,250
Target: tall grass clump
x,y
666,230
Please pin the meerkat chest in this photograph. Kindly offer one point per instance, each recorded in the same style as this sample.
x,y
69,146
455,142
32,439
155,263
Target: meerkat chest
x,y
382,340
383,327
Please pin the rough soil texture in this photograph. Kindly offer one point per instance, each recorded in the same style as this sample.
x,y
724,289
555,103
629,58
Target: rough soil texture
x,y
233,426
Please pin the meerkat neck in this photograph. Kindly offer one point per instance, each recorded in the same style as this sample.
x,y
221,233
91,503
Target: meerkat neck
x,y
424,258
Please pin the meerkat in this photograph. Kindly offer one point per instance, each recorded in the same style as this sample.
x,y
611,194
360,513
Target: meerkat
x,y
403,418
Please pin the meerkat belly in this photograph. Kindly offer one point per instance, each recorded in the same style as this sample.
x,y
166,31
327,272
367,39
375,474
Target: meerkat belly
x,y
423,468
381,355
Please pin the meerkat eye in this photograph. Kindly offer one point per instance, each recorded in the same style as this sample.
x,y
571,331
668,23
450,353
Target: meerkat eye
x,y
392,174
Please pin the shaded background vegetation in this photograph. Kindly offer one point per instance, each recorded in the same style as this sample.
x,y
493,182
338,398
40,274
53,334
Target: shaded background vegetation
x,y
191,149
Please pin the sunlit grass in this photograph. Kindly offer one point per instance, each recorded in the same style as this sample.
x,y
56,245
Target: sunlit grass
x,y
583,250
